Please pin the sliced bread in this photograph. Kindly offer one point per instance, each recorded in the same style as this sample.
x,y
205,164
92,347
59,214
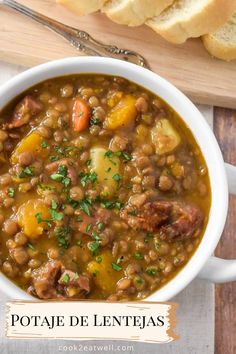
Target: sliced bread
x,y
134,12
222,43
192,18
82,7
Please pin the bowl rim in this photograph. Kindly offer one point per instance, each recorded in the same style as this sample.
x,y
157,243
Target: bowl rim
x,y
187,111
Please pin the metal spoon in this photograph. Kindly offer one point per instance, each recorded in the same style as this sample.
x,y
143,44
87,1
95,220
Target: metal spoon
x,y
81,40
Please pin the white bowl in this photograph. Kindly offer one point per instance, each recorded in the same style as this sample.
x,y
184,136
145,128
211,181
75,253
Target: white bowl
x,y
215,269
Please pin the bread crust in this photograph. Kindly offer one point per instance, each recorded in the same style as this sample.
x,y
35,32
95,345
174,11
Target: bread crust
x,y
212,16
219,49
82,7
135,12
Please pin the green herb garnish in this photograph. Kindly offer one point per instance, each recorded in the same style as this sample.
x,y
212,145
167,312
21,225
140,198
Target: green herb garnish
x,y
152,271
116,267
79,243
54,158
26,172
29,245
11,192
94,247
117,177
63,234
85,177
88,227
138,256
119,260
44,144
61,176
148,237
100,226
85,206
56,216
66,278
99,259
122,154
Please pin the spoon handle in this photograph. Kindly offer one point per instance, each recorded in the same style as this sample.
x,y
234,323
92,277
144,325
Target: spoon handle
x,y
81,40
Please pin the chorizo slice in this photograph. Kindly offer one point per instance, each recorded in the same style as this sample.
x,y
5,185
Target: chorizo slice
x,y
27,108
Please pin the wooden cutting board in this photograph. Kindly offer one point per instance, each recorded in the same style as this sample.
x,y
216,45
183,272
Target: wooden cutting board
x,y
188,66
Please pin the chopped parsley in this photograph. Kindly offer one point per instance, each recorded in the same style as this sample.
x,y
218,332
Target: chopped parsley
x,y
63,234
116,267
79,243
26,172
139,280
44,144
95,236
157,245
56,216
79,218
95,121
85,177
64,151
133,212
54,205
94,247
99,259
29,245
88,162
54,158
106,204
11,192
66,278
122,154
109,154
138,256
152,271
85,207
100,226
88,227
39,218
117,177
148,237
61,176
76,276
119,260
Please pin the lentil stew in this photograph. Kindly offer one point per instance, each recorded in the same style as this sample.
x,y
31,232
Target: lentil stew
x,y
104,192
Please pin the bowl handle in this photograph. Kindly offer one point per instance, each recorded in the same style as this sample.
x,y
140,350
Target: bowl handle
x,y
219,270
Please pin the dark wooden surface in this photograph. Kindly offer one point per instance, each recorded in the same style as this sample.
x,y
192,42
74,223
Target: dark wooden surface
x,y
225,320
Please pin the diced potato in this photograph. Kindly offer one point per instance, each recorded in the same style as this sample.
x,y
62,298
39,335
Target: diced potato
x,y
164,137
105,167
123,114
32,143
27,220
105,277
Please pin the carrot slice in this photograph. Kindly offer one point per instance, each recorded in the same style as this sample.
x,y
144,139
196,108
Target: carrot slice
x,y
80,115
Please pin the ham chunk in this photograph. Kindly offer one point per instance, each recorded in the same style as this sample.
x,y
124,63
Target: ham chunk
x,y
45,279
51,281
173,220
148,217
186,221
27,108
100,215
69,278
72,169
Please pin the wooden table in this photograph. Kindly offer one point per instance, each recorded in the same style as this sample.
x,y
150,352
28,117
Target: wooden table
x,y
225,295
